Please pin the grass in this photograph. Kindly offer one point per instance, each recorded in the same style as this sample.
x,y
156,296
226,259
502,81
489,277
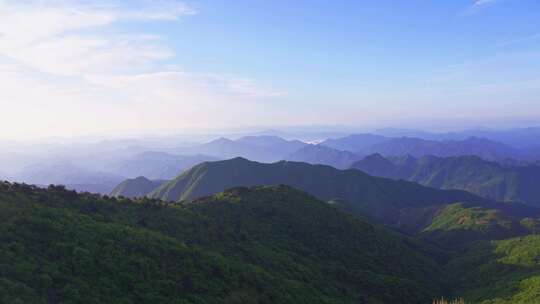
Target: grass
x,y
445,301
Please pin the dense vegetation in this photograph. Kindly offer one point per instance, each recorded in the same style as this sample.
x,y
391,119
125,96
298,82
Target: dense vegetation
x,y
259,245
471,173
265,244
458,225
271,244
499,272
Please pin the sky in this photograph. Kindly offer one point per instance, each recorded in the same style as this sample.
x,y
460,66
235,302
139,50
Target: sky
x,y
80,67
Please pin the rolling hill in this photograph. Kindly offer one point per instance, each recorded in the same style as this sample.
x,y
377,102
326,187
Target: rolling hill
x,y
459,225
388,201
257,245
471,173
501,272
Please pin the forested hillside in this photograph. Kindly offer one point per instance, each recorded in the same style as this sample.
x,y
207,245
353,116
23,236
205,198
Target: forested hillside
x,y
258,245
502,182
269,244
385,200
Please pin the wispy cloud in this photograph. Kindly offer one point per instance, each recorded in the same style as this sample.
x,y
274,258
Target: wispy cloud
x,y
483,2
70,70
60,38
478,5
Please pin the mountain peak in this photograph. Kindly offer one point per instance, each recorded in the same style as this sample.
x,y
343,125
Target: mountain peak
x,y
136,187
141,179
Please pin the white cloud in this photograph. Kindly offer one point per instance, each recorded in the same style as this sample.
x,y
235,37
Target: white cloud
x,y
70,71
28,23
78,55
153,101
177,83
58,41
483,2
160,10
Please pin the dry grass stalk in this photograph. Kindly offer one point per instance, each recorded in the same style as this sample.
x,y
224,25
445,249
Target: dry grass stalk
x,y
444,301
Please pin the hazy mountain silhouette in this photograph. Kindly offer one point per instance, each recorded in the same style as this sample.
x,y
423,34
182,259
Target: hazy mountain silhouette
x,y
354,142
320,154
517,137
70,175
416,147
260,148
158,165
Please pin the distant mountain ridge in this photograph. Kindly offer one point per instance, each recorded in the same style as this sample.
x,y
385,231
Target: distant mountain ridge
x,y
158,165
261,148
416,147
354,143
516,137
471,173
69,174
320,154
341,153
380,198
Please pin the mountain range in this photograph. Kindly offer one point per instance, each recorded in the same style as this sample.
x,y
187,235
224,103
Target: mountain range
x,y
419,220
416,147
128,159
405,205
341,153
489,179
264,244
516,137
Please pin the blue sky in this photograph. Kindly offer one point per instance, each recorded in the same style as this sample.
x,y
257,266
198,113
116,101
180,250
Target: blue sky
x,y
84,67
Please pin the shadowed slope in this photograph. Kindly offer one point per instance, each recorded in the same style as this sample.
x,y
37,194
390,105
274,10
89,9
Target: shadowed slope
x,y
382,199
471,173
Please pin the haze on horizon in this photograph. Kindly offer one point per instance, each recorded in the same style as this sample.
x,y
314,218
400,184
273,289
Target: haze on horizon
x,y
77,67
